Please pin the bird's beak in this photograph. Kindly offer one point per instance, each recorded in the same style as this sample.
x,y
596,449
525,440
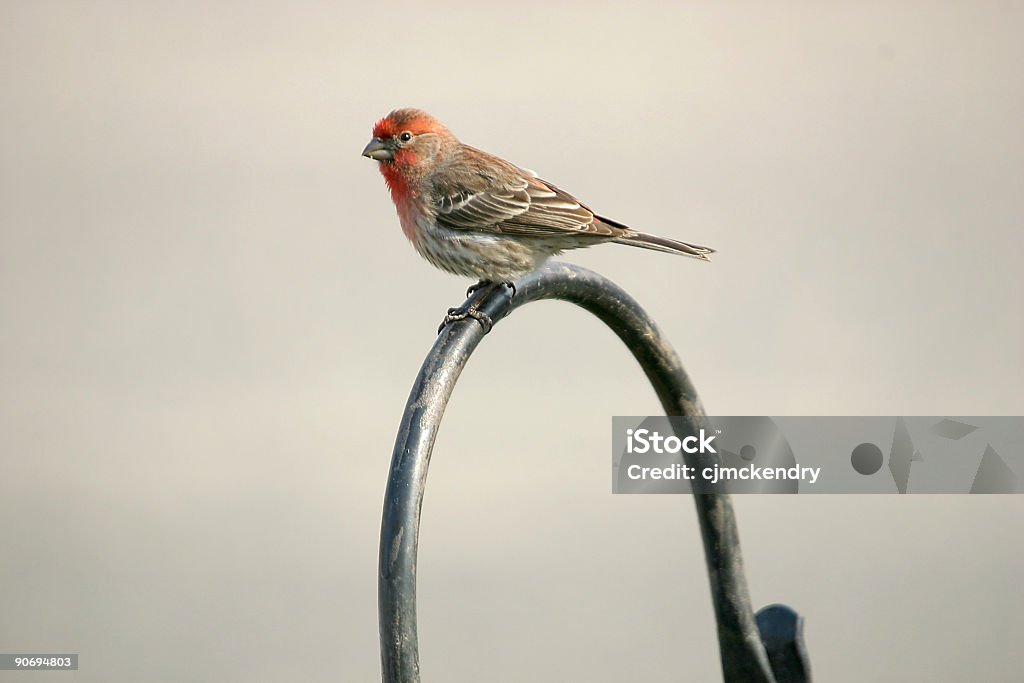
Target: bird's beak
x,y
378,150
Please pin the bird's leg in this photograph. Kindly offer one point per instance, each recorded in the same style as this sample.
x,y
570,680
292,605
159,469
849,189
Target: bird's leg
x,y
473,289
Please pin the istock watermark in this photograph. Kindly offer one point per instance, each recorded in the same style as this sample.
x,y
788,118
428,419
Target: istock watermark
x,y
646,441
658,454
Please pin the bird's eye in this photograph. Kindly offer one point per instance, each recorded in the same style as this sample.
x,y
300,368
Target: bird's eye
x,y
405,137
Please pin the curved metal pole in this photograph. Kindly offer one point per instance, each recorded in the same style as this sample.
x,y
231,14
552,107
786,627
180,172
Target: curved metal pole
x,y
742,652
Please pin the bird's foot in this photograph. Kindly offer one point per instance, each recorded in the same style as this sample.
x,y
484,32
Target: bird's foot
x,y
471,310
467,312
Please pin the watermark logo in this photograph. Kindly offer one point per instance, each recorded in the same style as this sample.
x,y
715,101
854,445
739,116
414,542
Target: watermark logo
x,y
817,454
648,441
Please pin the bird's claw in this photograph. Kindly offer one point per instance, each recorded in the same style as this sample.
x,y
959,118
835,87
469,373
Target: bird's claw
x,y
467,312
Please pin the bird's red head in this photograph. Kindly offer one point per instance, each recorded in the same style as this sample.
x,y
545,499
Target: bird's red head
x,y
407,143
414,121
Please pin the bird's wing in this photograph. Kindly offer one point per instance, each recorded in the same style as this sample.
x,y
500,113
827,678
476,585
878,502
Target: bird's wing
x,y
515,204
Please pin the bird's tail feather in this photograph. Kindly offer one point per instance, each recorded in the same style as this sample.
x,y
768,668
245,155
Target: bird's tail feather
x,y
642,239
635,238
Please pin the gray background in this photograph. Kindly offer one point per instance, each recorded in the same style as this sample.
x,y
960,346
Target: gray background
x,y
211,320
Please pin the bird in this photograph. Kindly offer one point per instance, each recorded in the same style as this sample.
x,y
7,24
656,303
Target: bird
x,y
476,215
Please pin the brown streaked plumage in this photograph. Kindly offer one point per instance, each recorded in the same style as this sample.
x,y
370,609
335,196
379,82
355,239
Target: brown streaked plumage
x,y
473,214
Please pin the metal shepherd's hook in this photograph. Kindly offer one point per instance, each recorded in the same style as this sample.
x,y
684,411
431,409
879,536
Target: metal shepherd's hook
x,y
767,648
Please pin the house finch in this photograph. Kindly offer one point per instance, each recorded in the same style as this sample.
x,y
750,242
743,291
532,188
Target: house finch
x,y
472,214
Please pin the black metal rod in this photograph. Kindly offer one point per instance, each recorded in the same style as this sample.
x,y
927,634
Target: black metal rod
x,y
743,655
